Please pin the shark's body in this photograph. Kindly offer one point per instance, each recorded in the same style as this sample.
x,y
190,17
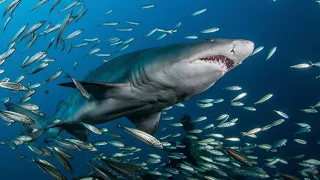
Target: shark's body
x,y
139,85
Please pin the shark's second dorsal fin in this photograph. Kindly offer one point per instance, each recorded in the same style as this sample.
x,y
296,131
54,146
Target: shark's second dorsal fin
x,y
148,124
97,89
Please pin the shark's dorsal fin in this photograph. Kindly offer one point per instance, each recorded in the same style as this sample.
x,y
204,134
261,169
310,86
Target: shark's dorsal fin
x,y
96,89
148,124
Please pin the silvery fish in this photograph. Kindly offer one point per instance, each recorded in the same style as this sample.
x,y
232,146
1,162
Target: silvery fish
x,y
92,129
76,3
74,34
257,50
39,4
38,68
264,99
144,137
7,54
211,30
13,86
53,77
28,61
34,28
199,12
271,52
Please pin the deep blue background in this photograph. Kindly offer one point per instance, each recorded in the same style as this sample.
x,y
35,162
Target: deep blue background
x,y
291,25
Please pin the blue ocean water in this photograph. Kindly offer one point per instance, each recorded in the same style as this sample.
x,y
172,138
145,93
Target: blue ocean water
x,y
291,26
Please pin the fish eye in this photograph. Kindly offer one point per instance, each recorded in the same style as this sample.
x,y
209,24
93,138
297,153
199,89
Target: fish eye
x,y
232,50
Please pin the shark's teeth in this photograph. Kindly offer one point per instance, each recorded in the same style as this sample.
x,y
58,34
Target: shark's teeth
x,y
221,59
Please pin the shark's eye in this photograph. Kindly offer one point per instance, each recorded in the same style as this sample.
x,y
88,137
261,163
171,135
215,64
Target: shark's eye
x,y
232,50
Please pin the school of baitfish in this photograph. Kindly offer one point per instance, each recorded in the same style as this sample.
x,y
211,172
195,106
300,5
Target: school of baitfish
x,y
218,156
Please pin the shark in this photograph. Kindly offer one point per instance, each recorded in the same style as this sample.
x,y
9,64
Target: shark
x,y
139,85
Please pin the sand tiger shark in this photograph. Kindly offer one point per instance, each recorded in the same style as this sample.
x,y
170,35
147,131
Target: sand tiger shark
x,y
140,84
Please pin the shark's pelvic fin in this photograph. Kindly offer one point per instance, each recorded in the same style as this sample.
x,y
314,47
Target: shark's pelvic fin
x,y
77,130
98,90
52,133
148,124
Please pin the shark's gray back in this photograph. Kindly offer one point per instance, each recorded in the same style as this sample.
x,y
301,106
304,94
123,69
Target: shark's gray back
x,y
116,70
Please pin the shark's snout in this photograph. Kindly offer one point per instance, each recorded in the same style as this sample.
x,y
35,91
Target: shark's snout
x,y
242,49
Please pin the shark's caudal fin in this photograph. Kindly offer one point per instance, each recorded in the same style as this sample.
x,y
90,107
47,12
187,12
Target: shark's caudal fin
x,y
41,125
38,128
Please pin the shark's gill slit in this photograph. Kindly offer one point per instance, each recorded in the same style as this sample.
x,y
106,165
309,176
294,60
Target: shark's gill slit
x,y
228,62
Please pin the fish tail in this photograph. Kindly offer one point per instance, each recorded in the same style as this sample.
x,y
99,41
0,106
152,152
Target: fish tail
x,y
220,145
311,63
51,131
33,160
70,48
242,134
39,126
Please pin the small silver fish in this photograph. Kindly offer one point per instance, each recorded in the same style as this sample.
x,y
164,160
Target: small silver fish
x,y
54,5
257,50
13,86
39,4
148,6
114,23
199,12
282,114
211,30
271,52
34,28
7,54
92,129
74,34
76,3
53,77
144,137
38,68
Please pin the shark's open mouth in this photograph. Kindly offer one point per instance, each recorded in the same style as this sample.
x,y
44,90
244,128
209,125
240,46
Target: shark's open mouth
x,y
221,59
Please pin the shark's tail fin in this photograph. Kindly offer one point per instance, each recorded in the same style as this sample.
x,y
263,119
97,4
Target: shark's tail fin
x,y
36,129
41,126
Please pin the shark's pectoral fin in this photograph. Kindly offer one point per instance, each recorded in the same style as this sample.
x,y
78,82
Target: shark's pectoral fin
x,y
148,124
98,90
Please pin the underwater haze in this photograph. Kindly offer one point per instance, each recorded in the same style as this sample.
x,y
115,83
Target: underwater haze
x,y
263,110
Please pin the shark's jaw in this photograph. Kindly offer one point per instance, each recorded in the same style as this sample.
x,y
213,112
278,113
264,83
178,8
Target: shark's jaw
x,y
224,63
219,59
